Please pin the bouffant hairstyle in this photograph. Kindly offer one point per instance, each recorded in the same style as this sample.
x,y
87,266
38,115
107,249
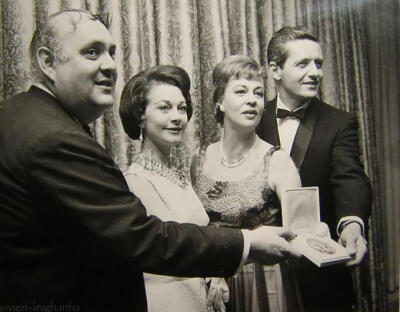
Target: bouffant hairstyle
x,y
232,67
134,96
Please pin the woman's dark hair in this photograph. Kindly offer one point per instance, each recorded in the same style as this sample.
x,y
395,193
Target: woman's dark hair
x,y
134,96
232,67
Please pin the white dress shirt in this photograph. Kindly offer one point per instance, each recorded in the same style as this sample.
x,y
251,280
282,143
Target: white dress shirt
x,y
287,127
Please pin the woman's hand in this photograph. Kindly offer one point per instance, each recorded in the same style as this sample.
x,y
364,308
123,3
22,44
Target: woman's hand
x,y
218,294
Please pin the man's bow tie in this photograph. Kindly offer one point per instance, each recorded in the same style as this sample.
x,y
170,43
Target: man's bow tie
x,y
299,114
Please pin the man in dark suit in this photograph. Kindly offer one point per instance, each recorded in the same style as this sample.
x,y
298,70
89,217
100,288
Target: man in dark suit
x,y
72,236
323,143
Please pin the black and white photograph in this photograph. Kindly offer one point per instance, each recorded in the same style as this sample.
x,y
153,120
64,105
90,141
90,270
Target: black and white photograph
x,y
199,155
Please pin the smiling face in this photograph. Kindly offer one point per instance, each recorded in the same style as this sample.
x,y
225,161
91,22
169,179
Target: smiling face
x,y
300,77
85,72
165,117
242,103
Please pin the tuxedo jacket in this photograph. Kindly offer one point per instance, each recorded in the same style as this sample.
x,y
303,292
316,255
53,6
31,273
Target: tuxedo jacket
x,y
326,152
71,232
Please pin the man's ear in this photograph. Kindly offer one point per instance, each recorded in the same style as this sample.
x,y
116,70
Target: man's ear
x,y
275,70
45,60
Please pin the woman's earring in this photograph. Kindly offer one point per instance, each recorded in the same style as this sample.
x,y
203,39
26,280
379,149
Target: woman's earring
x,y
141,133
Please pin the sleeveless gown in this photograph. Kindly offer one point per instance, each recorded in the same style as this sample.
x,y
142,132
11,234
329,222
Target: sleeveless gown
x,y
170,202
246,204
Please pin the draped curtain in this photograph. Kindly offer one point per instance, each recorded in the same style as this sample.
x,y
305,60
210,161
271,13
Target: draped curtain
x,y
197,34
384,45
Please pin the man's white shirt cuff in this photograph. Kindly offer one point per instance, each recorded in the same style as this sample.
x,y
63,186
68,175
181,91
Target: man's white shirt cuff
x,y
346,220
246,248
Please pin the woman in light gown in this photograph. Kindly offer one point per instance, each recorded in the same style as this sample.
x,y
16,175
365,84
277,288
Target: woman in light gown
x,y
240,180
155,107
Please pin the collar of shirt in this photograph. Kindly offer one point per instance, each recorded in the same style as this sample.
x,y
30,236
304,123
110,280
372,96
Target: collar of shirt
x,y
280,104
44,88
47,90
287,127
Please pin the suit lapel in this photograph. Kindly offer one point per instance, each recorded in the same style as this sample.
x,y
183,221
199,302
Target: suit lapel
x,y
268,128
304,133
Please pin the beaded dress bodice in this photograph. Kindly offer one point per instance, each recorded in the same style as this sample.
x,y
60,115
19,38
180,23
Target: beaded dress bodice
x,y
245,203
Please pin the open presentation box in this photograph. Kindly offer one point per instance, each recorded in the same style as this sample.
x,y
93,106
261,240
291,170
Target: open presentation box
x,y
301,215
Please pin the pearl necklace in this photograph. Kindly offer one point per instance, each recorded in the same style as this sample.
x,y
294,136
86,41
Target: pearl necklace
x,y
238,162
172,174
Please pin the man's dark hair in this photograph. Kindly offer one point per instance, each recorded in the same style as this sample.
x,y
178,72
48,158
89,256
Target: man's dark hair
x,y
134,96
277,51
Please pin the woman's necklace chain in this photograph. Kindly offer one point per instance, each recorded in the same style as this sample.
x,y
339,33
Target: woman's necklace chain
x,y
238,162
172,174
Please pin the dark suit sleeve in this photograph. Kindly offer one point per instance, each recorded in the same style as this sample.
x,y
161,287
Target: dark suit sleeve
x,y
351,188
88,206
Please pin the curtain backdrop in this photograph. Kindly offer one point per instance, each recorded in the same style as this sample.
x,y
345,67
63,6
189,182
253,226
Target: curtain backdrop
x,y
197,34
384,45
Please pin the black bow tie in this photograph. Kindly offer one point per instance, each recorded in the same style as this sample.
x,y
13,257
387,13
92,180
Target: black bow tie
x,y
299,114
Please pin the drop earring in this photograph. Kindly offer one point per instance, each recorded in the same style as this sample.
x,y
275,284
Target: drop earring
x,y
141,133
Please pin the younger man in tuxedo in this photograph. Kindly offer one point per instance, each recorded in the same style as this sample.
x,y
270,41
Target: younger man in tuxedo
x,y
323,143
